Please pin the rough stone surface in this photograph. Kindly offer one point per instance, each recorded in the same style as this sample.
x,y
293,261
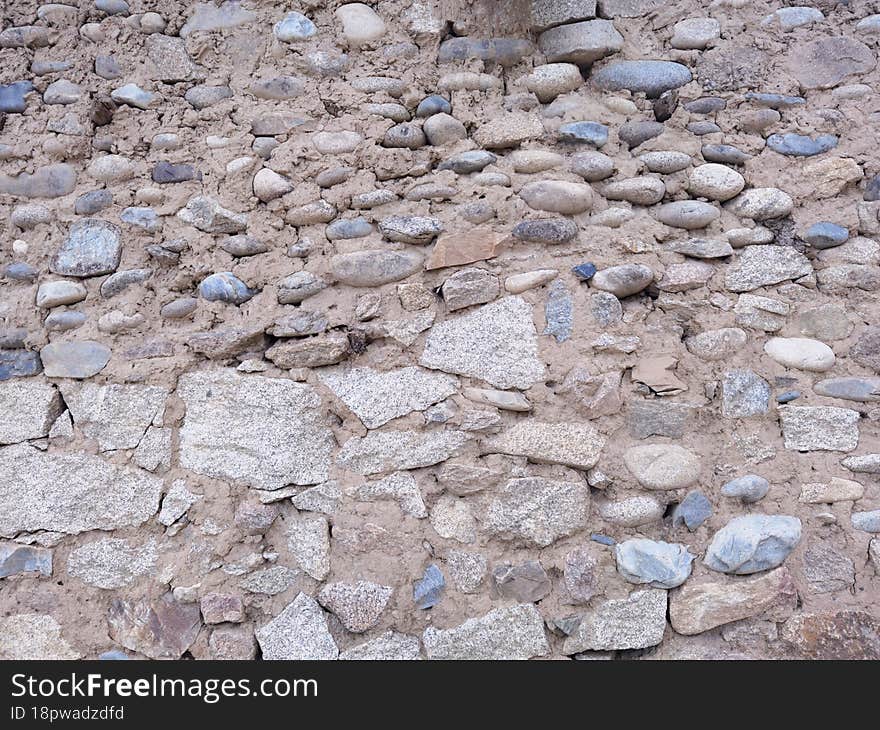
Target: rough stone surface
x,y
753,543
515,632
298,632
635,622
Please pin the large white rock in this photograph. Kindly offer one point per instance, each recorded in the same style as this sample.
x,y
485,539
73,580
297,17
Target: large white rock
x,y
265,432
800,353
662,466
513,632
71,492
496,343
33,637
573,444
28,408
298,632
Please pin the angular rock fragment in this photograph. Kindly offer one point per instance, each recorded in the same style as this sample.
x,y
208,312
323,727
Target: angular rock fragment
x,y
514,632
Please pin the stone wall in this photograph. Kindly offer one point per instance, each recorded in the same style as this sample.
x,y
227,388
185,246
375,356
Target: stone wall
x,y
439,329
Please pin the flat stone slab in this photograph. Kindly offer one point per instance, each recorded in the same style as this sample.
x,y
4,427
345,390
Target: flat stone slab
x,y
513,632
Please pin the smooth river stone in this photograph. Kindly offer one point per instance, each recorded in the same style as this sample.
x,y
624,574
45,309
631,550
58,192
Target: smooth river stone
x,y
800,353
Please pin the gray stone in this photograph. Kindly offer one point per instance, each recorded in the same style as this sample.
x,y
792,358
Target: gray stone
x,y
634,134
308,540
649,77
716,345
866,521
825,62
827,570
836,490
428,589
229,433
504,51
390,646
761,313
687,214
299,632
56,293
583,133
467,287
413,229
133,95
465,163
513,632
692,511
466,569
496,343
547,13
866,464
577,445
761,204
12,96
744,393
385,451
748,489
524,583
799,145
294,27
752,543
112,563
581,43
357,605
27,410
207,17
343,229
862,390
401,488
819,428
645,190
225,287
759,266
662,466
635,622
92,248
866,349
78,359
592,166
826,235
558,311
33,636
623,280
632,511
605,308
550,231
378,397
658,564
311,352
374,268
18,363
431,105
299,287
557,196
209,216
18,559
71,493
647,418
93,202
537,511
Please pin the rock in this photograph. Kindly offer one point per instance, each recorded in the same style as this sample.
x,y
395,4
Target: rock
x,y
693,511
294,27
298,632
225,287
374,268
71,493
867,464
361,24
512,632
496,343
866,521
378,397
657,374
863,390
666,162
503,51
557,196
662,466
443,129
800,353
798,145
592,166
649,77
342,229
826,235
12,96
112,563
688,214
241,449
451,518
656,418
357,605
16,559
843,635
93,202
552,79
269,185
518,283
837,490
584,133
634,134
209,216
701,607
389,646
623,280
825,62
752,543
428,590
121,280
467,162
714,345
819,428
550,231
413,229
18,363
715,182
92,248
298,287
636,190
78,359
635,622
759,266
525,583
695,33
580,43
577,445
866,349
385,451
401,488
744,394
33,636
116,416
762,313
659,564
431,105
826,570
537,511
762,204
508,130
558,311
133,95
405,135
831,175
57,293
748,489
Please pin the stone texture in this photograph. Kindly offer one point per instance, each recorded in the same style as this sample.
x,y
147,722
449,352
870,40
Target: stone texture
x,y
514,632
577,445
819,428
27,410
662,466
160,629
33,637
658,564
112,563
384,451
298,632
357,605
753,543
635,622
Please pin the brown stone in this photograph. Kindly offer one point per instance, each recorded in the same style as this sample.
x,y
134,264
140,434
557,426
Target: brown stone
x,y
218,608
843,635
160,629
457,249
695,608
311,352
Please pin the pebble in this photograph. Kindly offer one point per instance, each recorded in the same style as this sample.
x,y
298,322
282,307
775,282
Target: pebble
x,y
748,489
752,543
692,511
662,466
431,105
651,78
225,287
361,25
294,27
133,95
592,166
715,182
826,235
428,590
800,353
580,43
633,134
657,564
695,33
623,280
551,231
687,214
584,133
552,79
76,359
798,145
557,196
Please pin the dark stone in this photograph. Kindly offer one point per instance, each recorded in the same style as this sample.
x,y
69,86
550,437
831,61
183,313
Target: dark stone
x,y
431,105
866,350
525,583
12,95
165,173
706,105
19,364
102,110
665,106
584,132
428,590
93,202
635,133
799,145
160,629
701,128
602,539
725,154
774,101
16,559
20,271
465,163
693,511
504,51
547,230
872,189
584,271
826,235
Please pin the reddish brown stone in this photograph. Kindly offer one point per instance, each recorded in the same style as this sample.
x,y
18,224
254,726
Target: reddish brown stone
x,y
218,608
457,249
841,635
